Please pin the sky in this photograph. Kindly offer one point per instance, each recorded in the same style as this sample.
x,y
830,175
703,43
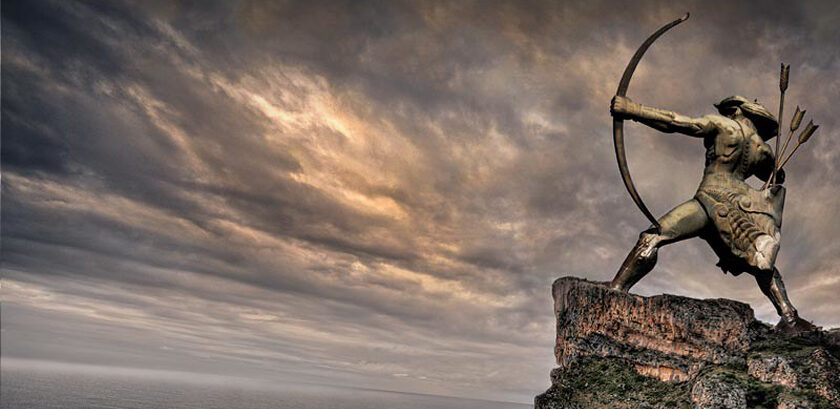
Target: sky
x,y
374,194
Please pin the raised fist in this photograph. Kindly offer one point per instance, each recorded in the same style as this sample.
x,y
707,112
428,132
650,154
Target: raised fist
x,y
621,106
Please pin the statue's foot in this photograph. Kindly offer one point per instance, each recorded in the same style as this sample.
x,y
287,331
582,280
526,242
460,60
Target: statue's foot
x,y
793,325
608,284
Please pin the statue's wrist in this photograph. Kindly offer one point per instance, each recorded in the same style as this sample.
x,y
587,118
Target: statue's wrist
x,y
634,109
652,114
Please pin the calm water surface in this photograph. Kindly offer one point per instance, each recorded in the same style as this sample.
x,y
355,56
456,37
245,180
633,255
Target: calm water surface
x,y
38,389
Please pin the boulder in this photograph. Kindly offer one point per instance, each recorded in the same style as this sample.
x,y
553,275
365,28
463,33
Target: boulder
x,y
620,350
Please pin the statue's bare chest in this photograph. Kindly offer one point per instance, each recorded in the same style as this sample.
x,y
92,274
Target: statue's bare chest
x,y
736,148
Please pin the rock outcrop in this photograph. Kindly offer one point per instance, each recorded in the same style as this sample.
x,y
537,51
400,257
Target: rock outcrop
x,y
619,350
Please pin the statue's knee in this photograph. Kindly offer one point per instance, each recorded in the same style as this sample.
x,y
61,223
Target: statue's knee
x,y
648,244
766,249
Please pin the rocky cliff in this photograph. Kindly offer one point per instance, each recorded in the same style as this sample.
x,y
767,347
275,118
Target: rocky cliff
x,y
619,350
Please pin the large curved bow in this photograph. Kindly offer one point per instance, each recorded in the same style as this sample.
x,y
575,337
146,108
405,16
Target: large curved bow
x,y
618,123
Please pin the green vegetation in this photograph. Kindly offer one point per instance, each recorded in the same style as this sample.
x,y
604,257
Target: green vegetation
x,y
759,395
612,383
800,346
615,384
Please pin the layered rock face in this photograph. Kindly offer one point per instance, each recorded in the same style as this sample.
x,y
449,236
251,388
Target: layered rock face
x,y
619,350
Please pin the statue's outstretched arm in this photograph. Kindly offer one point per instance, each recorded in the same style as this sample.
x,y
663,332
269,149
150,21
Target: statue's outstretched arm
x,y
660,119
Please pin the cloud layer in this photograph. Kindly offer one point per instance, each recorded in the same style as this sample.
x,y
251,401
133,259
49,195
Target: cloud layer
x,y
372,194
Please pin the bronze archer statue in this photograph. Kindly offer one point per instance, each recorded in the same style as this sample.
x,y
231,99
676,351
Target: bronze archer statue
x,y
741,223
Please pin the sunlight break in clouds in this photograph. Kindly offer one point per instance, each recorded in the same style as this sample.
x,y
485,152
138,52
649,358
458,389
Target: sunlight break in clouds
x,y
373,194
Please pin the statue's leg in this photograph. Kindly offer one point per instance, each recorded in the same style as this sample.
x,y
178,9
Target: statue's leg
x,y
684,221
772,286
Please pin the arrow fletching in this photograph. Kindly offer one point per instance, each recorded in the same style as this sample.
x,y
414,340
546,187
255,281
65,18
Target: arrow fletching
x,y
807,132
783,77
797,119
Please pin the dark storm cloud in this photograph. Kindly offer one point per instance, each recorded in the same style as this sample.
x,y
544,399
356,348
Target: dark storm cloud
x,y
371,193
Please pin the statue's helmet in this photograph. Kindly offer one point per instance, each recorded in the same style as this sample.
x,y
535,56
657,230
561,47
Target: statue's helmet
x,y
763,120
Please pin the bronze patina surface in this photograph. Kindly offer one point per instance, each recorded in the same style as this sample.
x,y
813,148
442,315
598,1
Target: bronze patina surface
x,y
742,224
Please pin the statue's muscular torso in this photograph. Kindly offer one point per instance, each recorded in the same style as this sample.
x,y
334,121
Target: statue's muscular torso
x,y
734,147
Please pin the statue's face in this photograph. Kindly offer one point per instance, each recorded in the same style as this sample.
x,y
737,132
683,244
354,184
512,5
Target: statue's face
x,y
732,112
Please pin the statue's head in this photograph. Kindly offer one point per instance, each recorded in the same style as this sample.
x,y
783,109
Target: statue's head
x,y
763,120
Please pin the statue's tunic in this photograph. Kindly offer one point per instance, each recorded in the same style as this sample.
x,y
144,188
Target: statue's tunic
x,y
745,221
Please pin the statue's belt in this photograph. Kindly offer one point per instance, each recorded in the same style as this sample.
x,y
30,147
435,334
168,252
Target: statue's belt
x,y
745,198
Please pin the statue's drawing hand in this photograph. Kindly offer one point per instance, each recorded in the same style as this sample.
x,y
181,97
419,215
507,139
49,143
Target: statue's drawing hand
x,y
620,106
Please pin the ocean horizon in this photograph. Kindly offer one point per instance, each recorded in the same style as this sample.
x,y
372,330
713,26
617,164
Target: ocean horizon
x,y
48,385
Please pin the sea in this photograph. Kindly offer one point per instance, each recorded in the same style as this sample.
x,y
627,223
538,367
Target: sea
x,y
23,388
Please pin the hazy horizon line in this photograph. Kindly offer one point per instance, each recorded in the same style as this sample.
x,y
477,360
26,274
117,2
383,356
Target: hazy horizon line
x,y
205,377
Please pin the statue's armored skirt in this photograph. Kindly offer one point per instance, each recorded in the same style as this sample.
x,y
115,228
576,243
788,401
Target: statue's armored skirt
x,y
745,222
